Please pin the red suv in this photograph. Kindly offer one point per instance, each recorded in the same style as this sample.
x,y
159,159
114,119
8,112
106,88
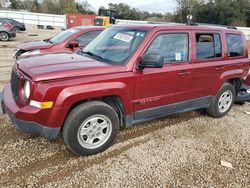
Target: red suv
x,y
67,41
128,74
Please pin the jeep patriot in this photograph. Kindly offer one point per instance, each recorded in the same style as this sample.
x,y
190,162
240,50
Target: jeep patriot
x,y
128,74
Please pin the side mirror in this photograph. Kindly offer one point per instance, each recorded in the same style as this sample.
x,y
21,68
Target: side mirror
x,y
151,60
73,44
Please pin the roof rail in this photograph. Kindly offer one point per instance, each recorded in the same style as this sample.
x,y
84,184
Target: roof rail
x,y
192,24
232,27
211,25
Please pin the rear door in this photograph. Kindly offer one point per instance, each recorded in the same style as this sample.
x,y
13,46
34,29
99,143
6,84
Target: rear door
x,y
208,63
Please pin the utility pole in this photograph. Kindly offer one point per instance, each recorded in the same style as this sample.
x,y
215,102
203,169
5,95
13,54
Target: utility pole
x,y
189,13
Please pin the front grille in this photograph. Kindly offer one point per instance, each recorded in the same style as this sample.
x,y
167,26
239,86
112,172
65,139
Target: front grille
x,y
15,84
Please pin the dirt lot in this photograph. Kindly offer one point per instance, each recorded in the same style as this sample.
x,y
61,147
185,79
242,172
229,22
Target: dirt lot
x,y
179,151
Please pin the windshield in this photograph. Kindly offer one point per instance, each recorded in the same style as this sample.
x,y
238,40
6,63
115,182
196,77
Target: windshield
x,y
61,37
115,45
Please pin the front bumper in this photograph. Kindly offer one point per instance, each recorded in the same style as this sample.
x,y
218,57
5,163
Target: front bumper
x,y
9,106
22,28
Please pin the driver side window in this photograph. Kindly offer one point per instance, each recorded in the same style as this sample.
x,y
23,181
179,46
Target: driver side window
x,y
86,38
174,47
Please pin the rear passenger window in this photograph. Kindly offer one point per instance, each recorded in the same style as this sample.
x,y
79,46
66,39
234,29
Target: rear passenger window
x,y
208,46
173,47
234,45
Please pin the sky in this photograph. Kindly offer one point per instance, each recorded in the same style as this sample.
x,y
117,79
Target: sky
x,y
161,6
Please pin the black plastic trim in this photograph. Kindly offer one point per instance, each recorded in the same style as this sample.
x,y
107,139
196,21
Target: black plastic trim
x,y
162,111
2,104
34,128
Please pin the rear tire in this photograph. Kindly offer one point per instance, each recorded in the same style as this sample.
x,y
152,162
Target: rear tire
x,y
90,128
4,36
17,29
223,101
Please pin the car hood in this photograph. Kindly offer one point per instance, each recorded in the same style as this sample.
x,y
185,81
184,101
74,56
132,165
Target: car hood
x,y
34,45
64,65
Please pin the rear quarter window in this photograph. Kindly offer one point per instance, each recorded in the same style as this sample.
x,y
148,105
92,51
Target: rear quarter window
x,y
235,45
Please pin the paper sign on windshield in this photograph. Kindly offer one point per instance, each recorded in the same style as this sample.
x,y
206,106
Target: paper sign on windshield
x,y
178,56
123,37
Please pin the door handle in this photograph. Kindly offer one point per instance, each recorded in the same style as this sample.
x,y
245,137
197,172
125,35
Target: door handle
x,y
183,73
220,68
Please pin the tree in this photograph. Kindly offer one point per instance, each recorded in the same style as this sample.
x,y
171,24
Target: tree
x,y
126,12
186,7
84,8
50,7
15,4
29,5
68,6
225,12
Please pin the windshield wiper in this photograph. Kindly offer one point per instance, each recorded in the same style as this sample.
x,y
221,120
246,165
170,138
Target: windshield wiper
x,y
48,40
93,55
97,57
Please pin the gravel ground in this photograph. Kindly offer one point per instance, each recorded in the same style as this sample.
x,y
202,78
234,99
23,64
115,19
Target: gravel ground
x,y
184,150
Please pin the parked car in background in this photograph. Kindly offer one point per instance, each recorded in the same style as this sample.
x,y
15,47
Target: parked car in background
x,y
6,31
18,26
244,93
69,40
128,74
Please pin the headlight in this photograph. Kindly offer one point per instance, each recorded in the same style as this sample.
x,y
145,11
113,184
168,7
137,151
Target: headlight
x,y
15,53
32,52
26,89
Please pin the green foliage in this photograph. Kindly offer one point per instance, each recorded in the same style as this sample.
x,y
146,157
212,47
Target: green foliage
x,y
126,12
47,6
225,12
68,6
84,8
30,5
15,4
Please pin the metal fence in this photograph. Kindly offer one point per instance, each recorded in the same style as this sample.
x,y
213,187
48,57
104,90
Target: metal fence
x,y
35,18
246,31
60,20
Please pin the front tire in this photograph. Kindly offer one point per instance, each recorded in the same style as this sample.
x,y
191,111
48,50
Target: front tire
x,y
223,101
90,128
4,36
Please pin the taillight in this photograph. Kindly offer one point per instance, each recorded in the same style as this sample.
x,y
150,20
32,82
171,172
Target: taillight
x,y
8,26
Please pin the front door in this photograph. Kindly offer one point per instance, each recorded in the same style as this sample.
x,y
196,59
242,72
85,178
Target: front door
x,y
157,90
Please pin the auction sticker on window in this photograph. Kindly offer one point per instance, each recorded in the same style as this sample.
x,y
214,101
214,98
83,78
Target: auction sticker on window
x,y
123,37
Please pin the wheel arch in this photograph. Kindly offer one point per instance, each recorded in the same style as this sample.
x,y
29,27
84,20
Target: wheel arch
x,y
114,101
236,82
